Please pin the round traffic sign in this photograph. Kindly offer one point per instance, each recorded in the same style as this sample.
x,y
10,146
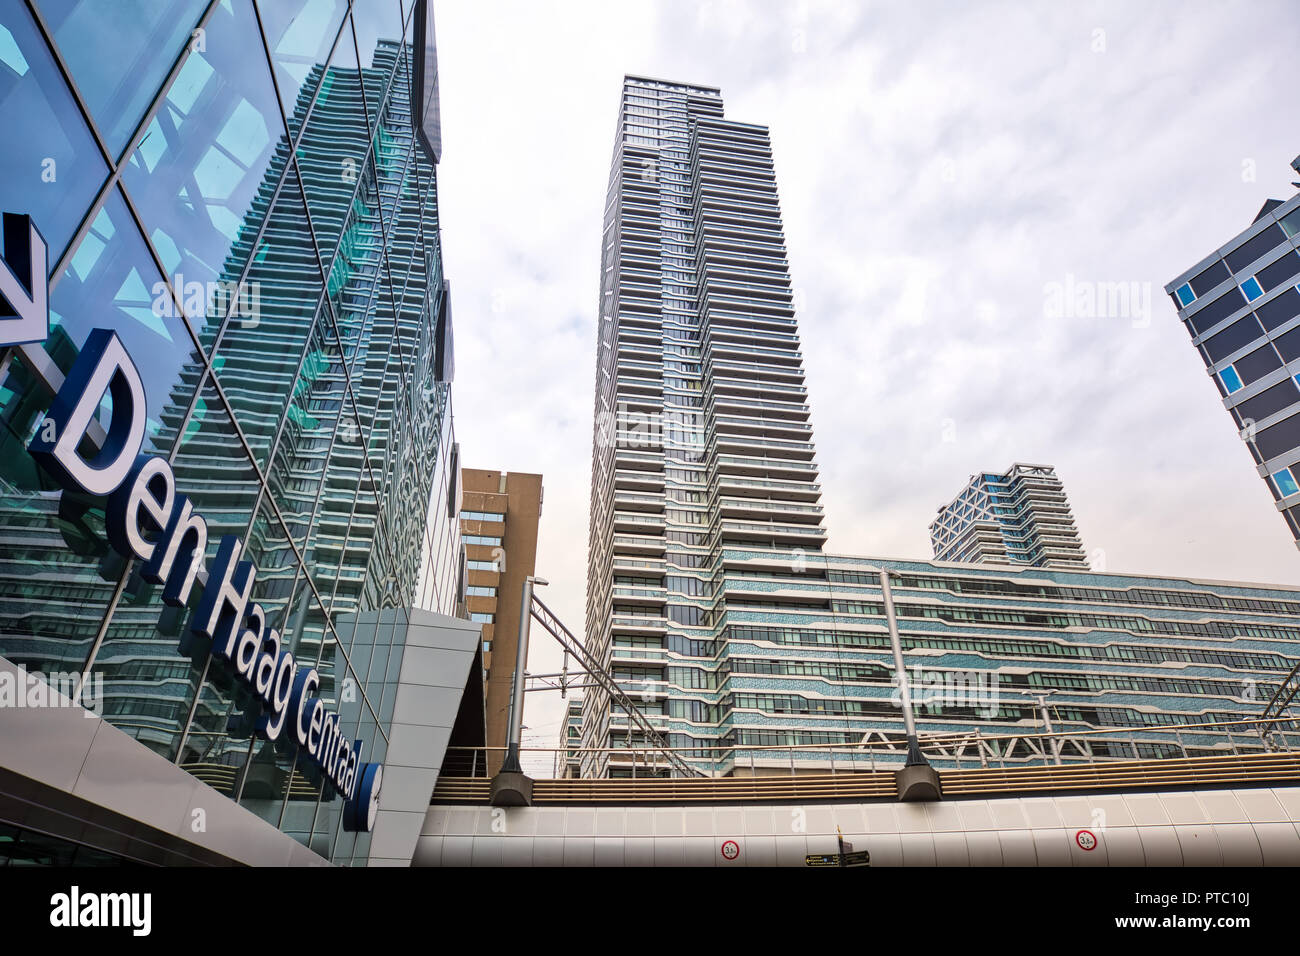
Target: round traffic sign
x,y
730,850
1086,840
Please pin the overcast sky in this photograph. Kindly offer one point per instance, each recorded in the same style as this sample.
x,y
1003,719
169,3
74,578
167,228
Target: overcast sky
x,y
949,173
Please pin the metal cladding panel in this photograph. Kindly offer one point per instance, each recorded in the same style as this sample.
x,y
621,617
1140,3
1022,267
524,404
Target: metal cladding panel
x,y
426,106
68,748
438,653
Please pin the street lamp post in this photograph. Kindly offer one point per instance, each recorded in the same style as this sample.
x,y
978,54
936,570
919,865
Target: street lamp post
x,y
917,780
511,787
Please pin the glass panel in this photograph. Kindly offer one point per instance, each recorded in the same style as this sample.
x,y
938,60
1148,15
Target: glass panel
x,y
335,556
1286,484
145,37
111,281
333,148
53,595
300,34
309,431
281,591
50,167
150,679
353,285
257,359
203,176
378,26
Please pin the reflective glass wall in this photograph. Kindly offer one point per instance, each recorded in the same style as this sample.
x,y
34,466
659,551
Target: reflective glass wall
x,y
238,192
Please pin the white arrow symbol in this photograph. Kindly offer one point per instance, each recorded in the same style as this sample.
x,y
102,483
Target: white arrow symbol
x,y
24,286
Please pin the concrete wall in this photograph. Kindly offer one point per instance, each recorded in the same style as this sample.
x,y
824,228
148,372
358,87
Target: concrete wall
x,y
1205,828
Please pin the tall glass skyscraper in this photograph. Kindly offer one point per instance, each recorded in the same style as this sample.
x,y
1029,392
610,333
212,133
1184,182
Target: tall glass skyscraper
x,y
1241,306
710,599
702,437
246,194
1020,516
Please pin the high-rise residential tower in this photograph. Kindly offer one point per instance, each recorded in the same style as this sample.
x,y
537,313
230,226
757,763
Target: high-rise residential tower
x,y
1018,517
1241,306
702,436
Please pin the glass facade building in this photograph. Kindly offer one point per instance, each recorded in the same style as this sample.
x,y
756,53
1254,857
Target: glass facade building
x,y
1241,307
246,194
710,598
1019,517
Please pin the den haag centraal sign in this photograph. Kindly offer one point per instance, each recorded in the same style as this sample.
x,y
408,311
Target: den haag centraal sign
x,y
148,520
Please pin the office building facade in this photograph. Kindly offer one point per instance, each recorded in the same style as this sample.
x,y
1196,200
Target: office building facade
x,y
245,197
803,659
1020,516
498,520
1241,307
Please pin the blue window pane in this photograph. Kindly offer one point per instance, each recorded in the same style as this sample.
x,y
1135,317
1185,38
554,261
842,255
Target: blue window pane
x,y
50,167
1251,289
1286,483
1185,294
1231,380
258,359
202,176
144,37
332,152
300,34
112,282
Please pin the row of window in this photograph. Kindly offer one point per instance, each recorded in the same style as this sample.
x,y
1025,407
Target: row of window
x,y
1007,647
1187,599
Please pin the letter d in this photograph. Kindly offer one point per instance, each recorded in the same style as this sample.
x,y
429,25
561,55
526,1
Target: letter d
x,y
103,366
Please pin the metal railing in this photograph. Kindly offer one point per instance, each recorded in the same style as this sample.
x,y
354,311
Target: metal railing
x,y
961,750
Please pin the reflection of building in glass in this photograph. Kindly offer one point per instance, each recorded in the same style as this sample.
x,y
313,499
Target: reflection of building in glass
x,y
1241,306
1020,517
311,416
710,598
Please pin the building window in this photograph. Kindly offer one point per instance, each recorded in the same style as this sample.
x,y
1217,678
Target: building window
x,y
1230,379
1286,483
482,618
1185,294
1251,289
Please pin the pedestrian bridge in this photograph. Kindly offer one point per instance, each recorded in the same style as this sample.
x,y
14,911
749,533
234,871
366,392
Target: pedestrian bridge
x,y
1232,810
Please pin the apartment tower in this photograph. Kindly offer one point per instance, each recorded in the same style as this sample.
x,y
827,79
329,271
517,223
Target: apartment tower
x,y
1019,517
702,437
